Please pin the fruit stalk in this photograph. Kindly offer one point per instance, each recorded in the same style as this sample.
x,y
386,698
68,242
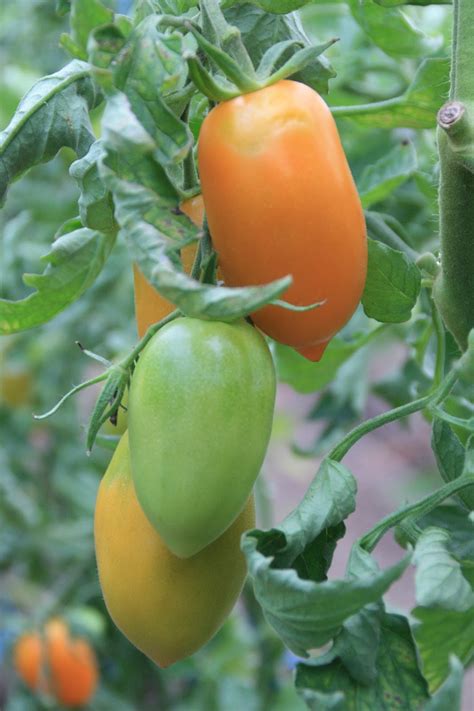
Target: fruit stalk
x,y
454,287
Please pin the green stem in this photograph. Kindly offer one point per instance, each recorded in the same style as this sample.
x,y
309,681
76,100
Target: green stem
x,y
129,360
415,511
437,395
454,287
441,346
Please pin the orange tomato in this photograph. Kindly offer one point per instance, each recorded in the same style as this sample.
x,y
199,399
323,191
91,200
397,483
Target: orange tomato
x,y
150,306
168,607
56,664
280,199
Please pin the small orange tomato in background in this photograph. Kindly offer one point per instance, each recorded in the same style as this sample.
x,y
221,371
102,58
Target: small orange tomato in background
x,y
56,664
150,306
280,199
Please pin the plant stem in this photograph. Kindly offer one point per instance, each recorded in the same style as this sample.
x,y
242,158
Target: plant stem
x,y
127,362
415,511
441,345
454,287
434,397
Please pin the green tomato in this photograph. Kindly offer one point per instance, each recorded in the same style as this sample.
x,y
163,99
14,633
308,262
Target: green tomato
x,y
200,417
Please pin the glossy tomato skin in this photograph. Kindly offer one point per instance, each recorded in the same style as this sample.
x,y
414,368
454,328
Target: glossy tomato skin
x,y
150,306
280,199
200,416
166,606
56,664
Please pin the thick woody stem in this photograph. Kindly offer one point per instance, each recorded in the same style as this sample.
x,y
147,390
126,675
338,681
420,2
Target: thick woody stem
x,y
454,287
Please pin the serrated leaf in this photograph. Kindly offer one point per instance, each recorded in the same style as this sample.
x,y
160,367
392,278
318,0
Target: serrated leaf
x,y
381,178
308,613
95,202
458,522
53,114
439,581
415,108
392,30
399,683
85,16
440,633
357,643
149,60
73,264
393,284
206,301
450,456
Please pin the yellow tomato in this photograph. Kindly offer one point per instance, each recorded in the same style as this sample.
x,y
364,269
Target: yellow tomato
x,y
166,606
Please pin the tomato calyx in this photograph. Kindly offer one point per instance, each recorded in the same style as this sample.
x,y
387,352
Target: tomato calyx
x,y
281,61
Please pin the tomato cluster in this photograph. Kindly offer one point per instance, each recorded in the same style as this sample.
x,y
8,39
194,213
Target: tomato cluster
x,y
279,198
50,661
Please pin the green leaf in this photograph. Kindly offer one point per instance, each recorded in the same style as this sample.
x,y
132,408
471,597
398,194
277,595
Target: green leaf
x,y
308,613
206,301
393,284
457,521
381,178
261,31
75,260
95,202
386,229
398,684
439,581
53,114
439,634
130,154
415,108
273,6
307,377
85,16
448,695
152,60
394,3
450,456
357,643
391,30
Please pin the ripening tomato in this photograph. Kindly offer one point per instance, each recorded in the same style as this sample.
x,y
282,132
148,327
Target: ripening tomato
x,y
280,199
200,416
150,306
56,664
166,606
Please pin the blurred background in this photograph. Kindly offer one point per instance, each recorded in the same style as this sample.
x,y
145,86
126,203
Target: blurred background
x,y
48,484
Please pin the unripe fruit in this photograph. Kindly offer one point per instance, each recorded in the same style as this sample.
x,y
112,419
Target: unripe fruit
x,y
200,418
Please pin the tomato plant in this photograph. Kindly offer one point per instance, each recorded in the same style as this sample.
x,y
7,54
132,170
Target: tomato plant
x,y
280,199
54,663
181,602
335,252
200,417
